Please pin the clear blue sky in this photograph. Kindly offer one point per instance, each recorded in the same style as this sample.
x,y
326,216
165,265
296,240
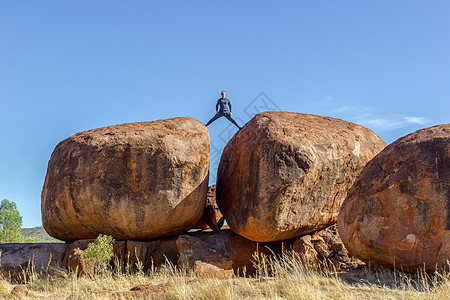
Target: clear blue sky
x,y
69,66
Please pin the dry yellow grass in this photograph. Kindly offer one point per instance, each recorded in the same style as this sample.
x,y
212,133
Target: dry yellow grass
x,y
5,288
282,278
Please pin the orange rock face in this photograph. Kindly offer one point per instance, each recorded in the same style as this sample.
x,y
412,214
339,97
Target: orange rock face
x,y
286,174
397,214
151,254
212,218
322,248
130,181
217,254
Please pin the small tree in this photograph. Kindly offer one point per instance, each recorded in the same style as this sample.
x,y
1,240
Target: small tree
x,y
99,253
10,223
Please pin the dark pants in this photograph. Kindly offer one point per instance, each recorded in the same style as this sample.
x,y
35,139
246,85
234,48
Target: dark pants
x,y
226,115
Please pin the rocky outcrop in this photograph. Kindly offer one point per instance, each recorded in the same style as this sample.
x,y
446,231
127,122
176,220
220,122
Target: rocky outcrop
x,y
130,181
205,258
18,260
286,174
397,214
75,262
212,218
217,254
323,248
151,255
209,254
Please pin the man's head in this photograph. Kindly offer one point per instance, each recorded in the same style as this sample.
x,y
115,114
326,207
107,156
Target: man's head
x,y
223,94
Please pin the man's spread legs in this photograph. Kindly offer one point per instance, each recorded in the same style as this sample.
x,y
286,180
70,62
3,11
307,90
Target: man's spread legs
x,y
216,116
232,120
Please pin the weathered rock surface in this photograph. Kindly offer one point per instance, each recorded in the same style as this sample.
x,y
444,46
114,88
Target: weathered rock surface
x,y
398,211
217,254
212,218
323,248
16,258
73,258
151,254
286,174
74,261
131,181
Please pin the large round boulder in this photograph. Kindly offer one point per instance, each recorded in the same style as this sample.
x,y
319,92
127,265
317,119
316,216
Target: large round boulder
x,y
130,181
286,174
397,214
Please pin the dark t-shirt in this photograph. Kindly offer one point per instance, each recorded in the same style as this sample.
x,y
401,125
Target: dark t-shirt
x,y
224,105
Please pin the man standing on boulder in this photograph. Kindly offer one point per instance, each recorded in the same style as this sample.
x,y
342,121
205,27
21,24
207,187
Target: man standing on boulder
x,y
223,109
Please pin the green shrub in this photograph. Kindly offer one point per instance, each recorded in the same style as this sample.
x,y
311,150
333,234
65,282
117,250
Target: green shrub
x,y
99,253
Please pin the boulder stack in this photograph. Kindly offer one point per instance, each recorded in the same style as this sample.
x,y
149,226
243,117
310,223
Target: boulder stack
x,y
130,181
397,214
286,174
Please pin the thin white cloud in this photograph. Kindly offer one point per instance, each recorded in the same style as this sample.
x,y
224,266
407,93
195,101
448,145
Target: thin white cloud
x,y
344,108
359,110
390,121
376,119
381,123
417,120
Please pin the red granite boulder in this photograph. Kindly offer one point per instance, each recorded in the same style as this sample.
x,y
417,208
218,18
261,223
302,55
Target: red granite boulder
x,y
397,214
130,181
286,174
